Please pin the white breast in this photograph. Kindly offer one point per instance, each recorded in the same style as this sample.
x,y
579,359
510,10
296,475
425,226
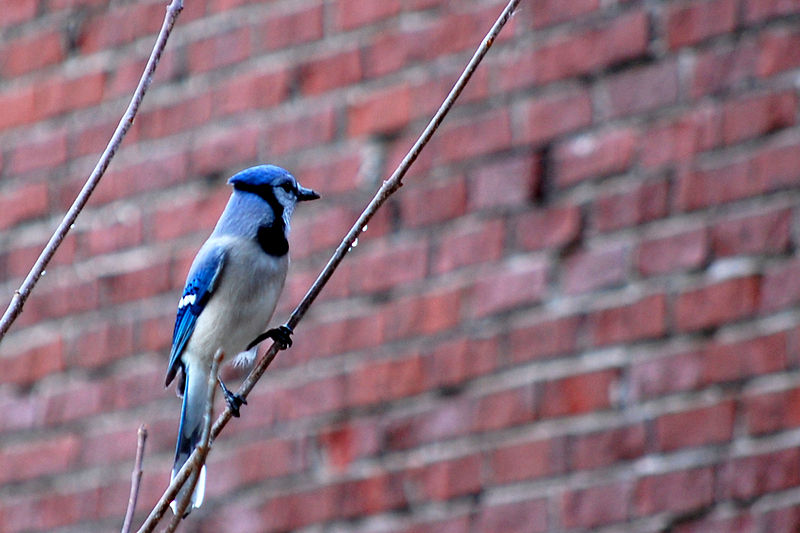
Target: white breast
x,y
243,301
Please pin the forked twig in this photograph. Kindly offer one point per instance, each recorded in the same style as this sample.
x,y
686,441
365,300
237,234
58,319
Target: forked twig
x,y
21,295
389,186
136,478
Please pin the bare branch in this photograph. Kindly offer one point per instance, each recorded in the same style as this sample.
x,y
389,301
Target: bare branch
x,y
136,478
21,294
389,186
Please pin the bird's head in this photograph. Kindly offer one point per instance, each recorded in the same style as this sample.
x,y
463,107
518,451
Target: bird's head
x,y
271,182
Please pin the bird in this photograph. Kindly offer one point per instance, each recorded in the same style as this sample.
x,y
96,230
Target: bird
x,y
229,298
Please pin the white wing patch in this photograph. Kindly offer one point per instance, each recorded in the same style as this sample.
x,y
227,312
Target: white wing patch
x,y
187,300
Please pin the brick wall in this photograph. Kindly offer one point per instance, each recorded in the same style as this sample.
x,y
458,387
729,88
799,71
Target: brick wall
x,y
582,311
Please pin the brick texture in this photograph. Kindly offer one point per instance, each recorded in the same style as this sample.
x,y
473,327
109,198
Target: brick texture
x,y
581,311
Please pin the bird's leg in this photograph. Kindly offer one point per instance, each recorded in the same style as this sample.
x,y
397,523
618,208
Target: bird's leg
x,y
281,335
234,401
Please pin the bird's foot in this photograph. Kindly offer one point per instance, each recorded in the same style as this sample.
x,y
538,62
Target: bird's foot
x,y
282,335
234,401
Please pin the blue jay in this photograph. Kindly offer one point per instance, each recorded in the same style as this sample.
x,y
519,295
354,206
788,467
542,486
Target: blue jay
x,y
230,294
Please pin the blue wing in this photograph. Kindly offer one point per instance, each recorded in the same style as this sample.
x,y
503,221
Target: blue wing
x,y
200,285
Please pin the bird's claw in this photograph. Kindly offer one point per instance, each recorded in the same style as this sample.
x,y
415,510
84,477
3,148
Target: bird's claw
x,y
282,335
234,401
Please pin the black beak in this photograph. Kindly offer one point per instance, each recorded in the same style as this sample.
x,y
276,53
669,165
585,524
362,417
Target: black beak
x,y
304,194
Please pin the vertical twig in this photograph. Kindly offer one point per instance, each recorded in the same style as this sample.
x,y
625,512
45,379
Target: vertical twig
x,y
136,478
389,186
202,448
191,469
21,295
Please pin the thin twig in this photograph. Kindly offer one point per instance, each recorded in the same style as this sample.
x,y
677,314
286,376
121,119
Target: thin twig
x,y
136,478
202,448
21,295
389,186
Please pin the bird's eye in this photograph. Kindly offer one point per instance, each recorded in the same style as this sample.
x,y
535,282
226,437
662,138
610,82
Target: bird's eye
x,y
287,187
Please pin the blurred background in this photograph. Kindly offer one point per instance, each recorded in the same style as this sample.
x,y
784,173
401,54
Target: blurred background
x,y
581,312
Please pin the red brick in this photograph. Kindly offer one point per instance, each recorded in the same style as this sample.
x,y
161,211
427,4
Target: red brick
x,y
17,106
668,373
313,398
695,427
763,233
458,140
555,226
102,344
331,71
446,421
289,28
528,516
454,362
123,232
688,24
594,156
350,14
251,91
643,202
579,394
685,250
680,491
32,52
716,185
768,412
446,480
621,39
520,283
381,381
679,138
306,130
18,12
643,319
590,270
183,115
607,447
148,281
504,409
595,506
44,153
34,362
456,30
343,443
479,242
552,115
23,203
715,524
505,183
549,12
775,167
751,357
717,303
779,50
299,509
640,90
381,111
383,268
120,25
422,315
759,10
436,201
246,466
544,338
523,461
34,459
723,67
780,286
755,115
745,478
